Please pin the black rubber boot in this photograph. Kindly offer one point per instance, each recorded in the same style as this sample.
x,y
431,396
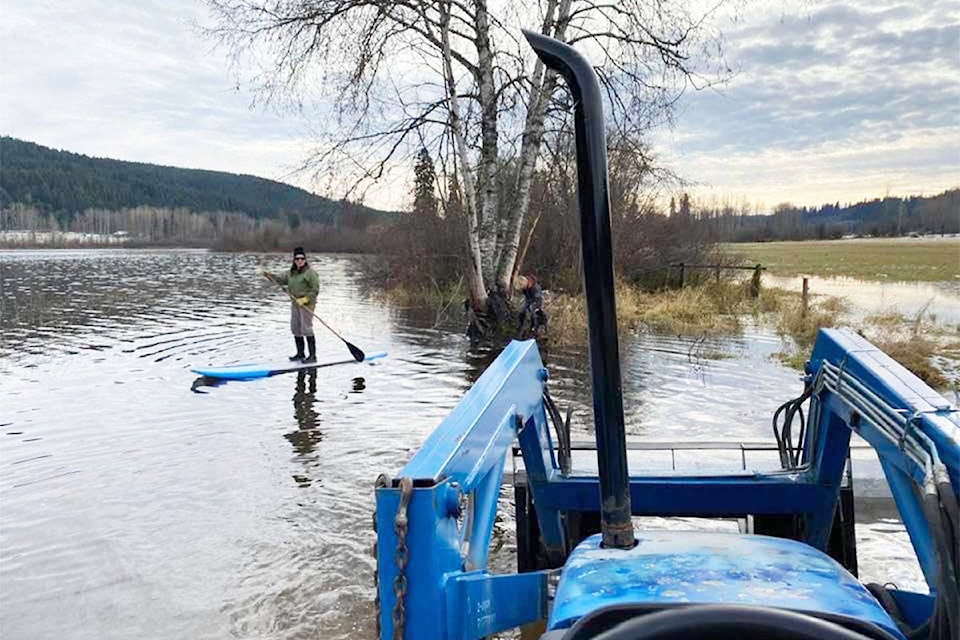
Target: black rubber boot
x,y
312,346
299,341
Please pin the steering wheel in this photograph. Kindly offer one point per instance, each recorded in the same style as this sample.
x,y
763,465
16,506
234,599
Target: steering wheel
x,y
726,622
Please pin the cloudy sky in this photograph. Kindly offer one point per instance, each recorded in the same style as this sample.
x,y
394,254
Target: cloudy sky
x,y
831,101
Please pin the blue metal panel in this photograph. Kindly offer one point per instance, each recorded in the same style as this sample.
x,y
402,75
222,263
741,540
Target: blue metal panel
x,y
466,453
900,388
483,516
927,411
511,385
433,552
486,604
440,600
829,456
537,447
911,512
707,568
541,471
691,496
915,607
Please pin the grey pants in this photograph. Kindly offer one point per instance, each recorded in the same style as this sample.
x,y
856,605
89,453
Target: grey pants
x,y
301,320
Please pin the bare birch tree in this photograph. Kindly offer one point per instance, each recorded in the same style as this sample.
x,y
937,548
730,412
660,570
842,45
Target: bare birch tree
x,y
391,77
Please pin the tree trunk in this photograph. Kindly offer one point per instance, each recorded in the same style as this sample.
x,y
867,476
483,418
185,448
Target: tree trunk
x,y
544,82
487,168
474,267
526,245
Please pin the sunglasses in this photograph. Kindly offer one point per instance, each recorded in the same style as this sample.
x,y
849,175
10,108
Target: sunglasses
x,y
300,259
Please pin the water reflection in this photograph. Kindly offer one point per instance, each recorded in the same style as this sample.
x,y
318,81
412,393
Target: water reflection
x,y
940,300
206,381
122,507
306,437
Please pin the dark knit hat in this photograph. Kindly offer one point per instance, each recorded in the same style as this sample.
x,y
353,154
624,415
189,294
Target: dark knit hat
x,y
298,251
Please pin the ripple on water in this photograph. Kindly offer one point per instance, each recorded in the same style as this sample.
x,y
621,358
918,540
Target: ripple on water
x,y
134,506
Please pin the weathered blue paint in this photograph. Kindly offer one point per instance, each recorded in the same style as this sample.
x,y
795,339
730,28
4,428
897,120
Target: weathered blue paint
x,y
464,457
930,413
543,475
936,417
509,387
450,595
432,543
911,513
670,567
829,456
679,495
486,603
916,607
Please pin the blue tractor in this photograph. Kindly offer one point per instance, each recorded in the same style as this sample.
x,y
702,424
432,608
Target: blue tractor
x,y
586,572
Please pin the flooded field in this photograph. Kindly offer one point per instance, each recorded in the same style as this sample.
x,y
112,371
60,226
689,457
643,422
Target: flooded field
x,y
139,503
939,301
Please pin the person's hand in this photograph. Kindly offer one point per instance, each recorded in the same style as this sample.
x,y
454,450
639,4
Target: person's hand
x,y
303,301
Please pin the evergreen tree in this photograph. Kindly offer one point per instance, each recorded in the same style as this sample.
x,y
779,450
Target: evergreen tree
x,y
425,182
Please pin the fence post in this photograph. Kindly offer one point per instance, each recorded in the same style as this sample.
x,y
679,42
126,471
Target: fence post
x,y
681,274
755,282
805,298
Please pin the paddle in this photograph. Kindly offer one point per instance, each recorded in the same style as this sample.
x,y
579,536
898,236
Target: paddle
x,y
357,354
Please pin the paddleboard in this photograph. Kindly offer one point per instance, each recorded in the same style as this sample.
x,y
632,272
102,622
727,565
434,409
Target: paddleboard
x,y
251,371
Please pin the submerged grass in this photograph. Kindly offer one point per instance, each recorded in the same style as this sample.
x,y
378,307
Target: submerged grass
x,y
442,301
919,343
802,327
696,311
926,348
918,356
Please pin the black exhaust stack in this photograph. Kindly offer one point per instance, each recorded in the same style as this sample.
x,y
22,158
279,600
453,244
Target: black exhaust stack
x,y
598,283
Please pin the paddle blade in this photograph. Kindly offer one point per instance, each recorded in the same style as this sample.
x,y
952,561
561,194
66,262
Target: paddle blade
x,y
355,352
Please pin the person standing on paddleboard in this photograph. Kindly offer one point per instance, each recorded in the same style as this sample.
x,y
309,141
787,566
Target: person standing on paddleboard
x,y
303,283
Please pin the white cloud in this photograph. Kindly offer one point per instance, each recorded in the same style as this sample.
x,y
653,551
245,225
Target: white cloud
x,y
833,101
133,81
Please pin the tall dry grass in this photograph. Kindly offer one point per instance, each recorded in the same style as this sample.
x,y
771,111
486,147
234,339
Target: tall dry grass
x,y
802,327
709,309
920,344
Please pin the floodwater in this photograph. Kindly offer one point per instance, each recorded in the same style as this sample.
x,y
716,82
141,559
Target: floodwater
x,y
140,502
939,301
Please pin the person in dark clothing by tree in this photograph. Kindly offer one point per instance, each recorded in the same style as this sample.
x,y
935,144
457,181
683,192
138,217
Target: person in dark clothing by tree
x,y
532,304
303,283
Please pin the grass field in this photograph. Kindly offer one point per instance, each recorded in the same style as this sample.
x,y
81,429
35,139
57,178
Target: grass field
x,y
888,259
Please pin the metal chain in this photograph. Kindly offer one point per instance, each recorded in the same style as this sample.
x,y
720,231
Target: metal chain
x,y
400,558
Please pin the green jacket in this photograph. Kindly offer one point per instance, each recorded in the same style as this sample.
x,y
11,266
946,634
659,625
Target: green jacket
x,y
299,284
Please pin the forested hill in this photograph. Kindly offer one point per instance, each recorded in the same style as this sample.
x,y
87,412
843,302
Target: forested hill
x,y
67,183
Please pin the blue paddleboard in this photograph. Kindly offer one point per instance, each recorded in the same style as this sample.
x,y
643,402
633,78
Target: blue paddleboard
x,y
251,371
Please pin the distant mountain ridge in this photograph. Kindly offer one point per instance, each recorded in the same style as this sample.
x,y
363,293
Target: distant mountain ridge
x,y
67,183
888,216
